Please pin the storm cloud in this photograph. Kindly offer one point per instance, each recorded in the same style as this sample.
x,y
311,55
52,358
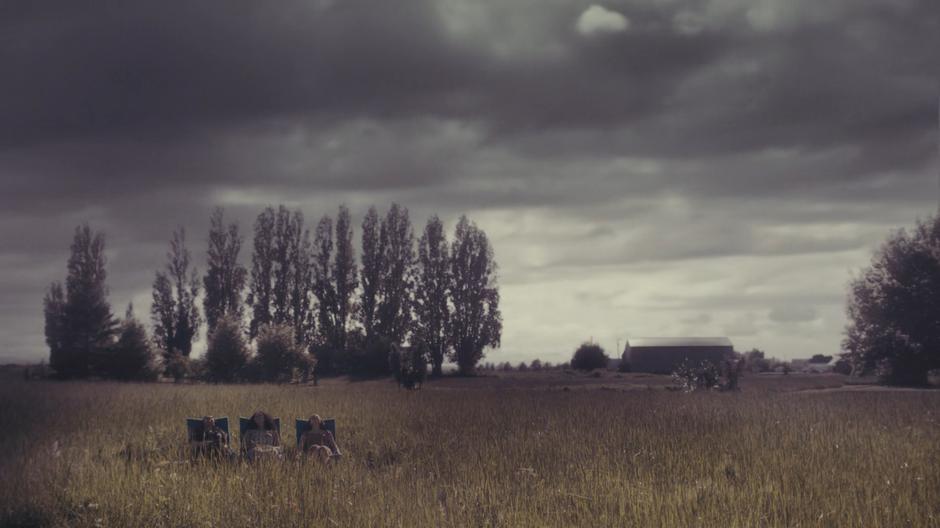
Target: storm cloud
x,y
715,167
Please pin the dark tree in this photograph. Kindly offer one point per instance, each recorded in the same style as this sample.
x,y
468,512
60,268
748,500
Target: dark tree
x,y
393,310
227,353
894,308
432,293
301,316
79,323
262,264
225,277
324,289
820,359
476,322
344,276
371,272
174,312
280,273
589,356
132,358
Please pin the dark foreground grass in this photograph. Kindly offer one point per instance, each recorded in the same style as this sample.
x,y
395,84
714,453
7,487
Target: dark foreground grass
x,y
101,454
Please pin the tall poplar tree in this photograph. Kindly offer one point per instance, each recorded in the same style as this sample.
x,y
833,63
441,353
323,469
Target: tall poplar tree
x,y
279,292
394,310
371,272
476,322
262,264
175,316
431,292
225,277
345,278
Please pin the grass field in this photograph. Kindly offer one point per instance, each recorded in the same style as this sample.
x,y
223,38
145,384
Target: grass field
x,y
522,451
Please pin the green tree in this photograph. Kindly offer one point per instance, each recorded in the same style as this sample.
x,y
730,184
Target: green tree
x,y
432,293
279,356
227,353
225,277
324,289
894,308
345,278
589,356
175,316
79,323
260,293
371,272
132,357
279,291
394,307
476,322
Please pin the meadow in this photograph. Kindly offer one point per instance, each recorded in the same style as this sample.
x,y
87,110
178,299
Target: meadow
x,y
553,450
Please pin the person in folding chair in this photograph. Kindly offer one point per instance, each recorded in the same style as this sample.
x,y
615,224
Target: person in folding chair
x,y
316,439
208,436
261,437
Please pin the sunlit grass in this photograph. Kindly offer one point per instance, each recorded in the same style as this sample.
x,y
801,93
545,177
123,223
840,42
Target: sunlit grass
x,y
97,454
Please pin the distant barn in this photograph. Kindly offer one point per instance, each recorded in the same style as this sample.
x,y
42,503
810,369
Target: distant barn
x,y
661,355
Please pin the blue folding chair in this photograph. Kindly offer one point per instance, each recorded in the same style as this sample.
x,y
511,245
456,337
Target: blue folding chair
x,y
245,423
303,426
193,425
194,428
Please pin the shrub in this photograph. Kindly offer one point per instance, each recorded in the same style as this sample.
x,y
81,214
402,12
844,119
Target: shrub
x,y
371,357
536,364
842,366
589,356
227,353
176,366
697,376
279,355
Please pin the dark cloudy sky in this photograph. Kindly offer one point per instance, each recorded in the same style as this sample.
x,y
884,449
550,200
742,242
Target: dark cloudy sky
x,y
643,168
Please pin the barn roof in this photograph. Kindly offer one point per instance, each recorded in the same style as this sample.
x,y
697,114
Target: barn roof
x,y
679,342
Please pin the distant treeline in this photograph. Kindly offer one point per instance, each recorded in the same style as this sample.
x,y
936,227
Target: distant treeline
x,y
305,304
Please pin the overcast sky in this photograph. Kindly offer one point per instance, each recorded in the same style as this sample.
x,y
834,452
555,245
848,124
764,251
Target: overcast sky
x,y
643,168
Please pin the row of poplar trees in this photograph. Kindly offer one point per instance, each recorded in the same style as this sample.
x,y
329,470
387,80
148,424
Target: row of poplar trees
x,y
435,296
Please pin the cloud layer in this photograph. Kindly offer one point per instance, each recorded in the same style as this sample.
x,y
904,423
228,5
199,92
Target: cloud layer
x,y
644,168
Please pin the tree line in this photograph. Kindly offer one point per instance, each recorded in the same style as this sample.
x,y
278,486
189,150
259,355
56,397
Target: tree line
x,y
305,303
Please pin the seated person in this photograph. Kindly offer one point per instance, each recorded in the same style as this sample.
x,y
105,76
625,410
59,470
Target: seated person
x,y
261,439
319,442
208,438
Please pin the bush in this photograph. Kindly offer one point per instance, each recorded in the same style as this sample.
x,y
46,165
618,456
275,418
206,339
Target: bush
x,y
132,357
697,376
279,356
536,364
589,356
176,366
227,353
370,357
842,366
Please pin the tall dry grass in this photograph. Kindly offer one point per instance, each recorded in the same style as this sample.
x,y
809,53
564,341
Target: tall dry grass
x,y
101,454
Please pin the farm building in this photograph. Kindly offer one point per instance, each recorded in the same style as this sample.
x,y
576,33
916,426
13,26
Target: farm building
x,y
661,355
